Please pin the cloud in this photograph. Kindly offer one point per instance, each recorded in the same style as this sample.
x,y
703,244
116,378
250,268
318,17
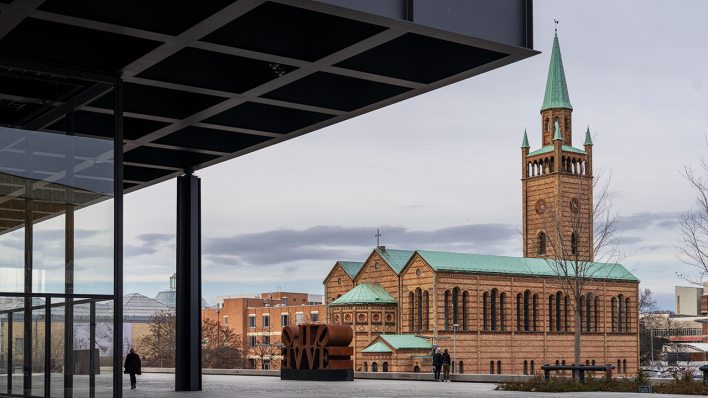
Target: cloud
x,y
645,220
628,240
149,244
334,243
156,238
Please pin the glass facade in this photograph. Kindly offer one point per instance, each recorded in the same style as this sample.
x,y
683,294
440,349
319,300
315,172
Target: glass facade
x,y
58,257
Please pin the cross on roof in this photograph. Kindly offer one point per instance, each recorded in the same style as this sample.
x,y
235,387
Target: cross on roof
x,y
378,234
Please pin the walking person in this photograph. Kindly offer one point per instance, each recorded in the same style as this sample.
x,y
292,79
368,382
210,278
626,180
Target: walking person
x,y
132,366
446,366
437,362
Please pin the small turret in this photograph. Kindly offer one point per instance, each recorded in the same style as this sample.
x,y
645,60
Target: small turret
x,y
588,150
524,152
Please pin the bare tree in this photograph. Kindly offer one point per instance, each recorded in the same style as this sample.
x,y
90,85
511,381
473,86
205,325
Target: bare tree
x,y
581,242
221,347
650,318
159,343
692,248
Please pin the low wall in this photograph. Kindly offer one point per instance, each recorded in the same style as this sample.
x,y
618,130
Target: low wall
x,y
465,378
471,378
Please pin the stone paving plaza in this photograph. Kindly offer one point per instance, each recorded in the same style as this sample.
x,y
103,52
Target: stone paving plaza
x,y
221,386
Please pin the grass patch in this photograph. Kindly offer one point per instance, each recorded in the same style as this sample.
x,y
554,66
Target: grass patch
x,y
682,383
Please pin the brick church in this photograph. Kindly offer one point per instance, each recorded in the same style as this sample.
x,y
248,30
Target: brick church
x,y
506,315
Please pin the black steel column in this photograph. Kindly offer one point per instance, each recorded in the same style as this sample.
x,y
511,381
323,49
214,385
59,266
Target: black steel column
x,y
29,245
10,315
92,349
69,262
188,364
118,242
47,347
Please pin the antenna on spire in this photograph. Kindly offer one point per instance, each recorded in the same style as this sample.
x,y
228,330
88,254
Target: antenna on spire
x,y
556,21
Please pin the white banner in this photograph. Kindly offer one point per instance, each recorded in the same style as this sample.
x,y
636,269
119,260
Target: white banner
x,y
104,338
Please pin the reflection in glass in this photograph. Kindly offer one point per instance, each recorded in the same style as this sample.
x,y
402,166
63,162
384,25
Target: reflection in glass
x,y
59,189
48,252
56,219
93,234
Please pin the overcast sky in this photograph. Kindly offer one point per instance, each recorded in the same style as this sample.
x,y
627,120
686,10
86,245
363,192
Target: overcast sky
x,y
441,171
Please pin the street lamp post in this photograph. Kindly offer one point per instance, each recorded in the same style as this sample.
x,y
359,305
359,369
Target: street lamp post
x,y
454,345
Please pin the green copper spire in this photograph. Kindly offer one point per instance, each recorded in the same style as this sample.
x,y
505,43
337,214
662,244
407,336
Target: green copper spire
x,y
588,140
525,144
558,133
556,87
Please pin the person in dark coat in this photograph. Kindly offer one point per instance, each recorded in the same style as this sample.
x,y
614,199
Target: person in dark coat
x,y
132,366
446,366
437,362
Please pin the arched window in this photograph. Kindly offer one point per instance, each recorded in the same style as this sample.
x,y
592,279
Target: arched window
x,y
532,370
498,367
485,302
426,318
574,243
526,371
624,366
416,369
557,363
419,293
542,244
493,309
465,297
613,306
527,325
593,362
366,367
447,315
565,313
626,315
452,367
455,295
558,312
411,297
587,362
502,298
588,323
550,312
619,367
535,312
491,367
595,312
581,307
462,367
385,366
620,301
548,125
519,324
374,367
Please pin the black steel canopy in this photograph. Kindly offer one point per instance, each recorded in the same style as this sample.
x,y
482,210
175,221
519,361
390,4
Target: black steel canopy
x,y
211,80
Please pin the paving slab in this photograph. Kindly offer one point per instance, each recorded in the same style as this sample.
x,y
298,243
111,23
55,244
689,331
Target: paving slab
x,y
221,386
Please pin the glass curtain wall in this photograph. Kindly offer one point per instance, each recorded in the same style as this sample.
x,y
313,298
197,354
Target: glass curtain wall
x,y
58,258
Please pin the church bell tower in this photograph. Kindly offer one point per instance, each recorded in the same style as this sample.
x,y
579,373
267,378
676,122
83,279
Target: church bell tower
x,y
557,178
